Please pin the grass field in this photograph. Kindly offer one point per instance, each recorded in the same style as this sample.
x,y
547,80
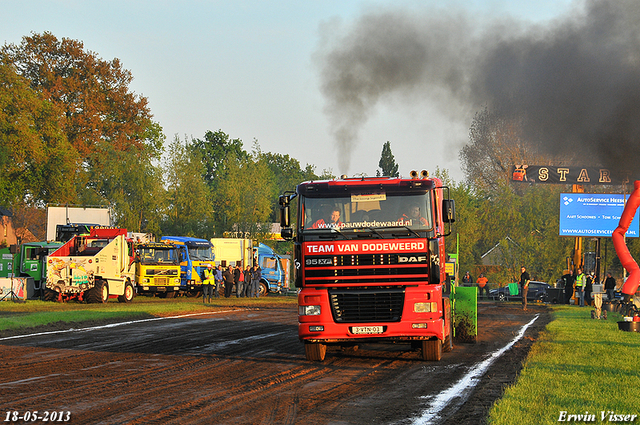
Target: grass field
x,y
36,313
578,366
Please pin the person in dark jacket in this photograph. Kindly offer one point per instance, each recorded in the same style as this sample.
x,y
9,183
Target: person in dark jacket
x,y
610,287
524,286
568,280
255,281
227,275
248,278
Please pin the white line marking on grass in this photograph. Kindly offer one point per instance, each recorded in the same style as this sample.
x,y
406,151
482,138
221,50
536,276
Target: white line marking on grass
x,y
463,387
113,325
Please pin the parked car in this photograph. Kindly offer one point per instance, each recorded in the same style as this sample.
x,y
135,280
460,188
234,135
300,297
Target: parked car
x,y
538,291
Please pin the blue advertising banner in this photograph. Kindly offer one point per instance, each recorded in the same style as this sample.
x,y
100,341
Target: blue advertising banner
x,y
593,215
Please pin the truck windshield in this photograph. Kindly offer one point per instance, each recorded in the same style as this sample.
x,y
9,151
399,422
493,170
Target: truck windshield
x,y
360,211
201,253
157,256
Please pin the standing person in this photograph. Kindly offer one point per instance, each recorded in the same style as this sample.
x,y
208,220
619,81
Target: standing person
x,y
208,281
568,280
218,277
466,279
247,281
239,278
580,284
227,275
255,281
482,286
588,287
524,286
610,286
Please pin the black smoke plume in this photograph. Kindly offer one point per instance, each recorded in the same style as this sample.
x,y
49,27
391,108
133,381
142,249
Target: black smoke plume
x,y
572,83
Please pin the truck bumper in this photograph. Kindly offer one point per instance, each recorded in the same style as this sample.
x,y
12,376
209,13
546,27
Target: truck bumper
x,y
414,324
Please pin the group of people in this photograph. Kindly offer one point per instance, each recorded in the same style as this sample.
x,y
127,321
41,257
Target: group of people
x,y
583,284
482,282
247,282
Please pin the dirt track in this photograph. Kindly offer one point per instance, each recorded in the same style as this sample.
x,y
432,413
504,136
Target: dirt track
x,y
248,367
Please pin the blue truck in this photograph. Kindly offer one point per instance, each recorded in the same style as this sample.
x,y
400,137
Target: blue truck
x,y
194,255
243,252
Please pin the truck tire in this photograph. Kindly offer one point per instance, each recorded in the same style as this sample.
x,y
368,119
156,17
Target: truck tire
x,y
99,293
315,351
432,350
448,340
128,293
262,289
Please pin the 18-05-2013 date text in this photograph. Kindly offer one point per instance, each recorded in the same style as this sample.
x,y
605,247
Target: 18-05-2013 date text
x,y
37,416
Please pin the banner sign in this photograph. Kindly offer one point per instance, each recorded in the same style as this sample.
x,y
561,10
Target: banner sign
x,y
564,175
593,215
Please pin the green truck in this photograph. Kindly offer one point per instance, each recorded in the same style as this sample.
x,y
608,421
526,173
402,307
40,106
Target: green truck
x,y
29,261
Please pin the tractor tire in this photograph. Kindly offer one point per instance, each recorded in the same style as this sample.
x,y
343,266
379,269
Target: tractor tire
x,y
315,351
50,295
432,350
99,293
128,295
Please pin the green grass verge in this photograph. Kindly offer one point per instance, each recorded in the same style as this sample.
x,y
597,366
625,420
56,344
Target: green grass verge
x,y
36,313
577,365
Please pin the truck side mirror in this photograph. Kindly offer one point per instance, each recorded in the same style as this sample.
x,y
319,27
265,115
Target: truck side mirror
x,y
285,211
285,215
286,233
13,249
449,211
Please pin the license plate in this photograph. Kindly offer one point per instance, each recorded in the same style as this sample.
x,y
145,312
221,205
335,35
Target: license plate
x,y
359,330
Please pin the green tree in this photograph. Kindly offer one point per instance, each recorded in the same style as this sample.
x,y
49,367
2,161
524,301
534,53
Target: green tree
x,y
93,94
214,149
245,198
131,184
94,107
190,205
37,163
387,163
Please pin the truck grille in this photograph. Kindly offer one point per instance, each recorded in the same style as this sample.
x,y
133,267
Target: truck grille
x,y
364,269
367,305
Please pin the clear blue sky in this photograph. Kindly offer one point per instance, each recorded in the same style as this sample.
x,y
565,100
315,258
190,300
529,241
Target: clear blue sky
x,y
250,69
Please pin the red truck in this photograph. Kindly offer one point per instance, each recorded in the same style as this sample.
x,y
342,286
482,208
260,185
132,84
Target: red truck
x,y
369,261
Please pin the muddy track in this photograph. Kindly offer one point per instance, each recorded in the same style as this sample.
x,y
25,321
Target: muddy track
x,y
248,367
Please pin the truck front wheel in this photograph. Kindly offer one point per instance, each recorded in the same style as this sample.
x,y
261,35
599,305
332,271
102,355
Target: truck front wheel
x,y
128,293
432,350
315,351
262,289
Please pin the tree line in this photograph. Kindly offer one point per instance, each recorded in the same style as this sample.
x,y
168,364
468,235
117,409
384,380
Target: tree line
x,y
72,132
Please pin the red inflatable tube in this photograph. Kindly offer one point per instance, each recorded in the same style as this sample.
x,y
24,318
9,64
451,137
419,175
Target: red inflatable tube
x,y
633,281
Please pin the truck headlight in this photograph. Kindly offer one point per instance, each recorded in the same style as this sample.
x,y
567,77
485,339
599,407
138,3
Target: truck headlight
x,y
308,310
425,307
